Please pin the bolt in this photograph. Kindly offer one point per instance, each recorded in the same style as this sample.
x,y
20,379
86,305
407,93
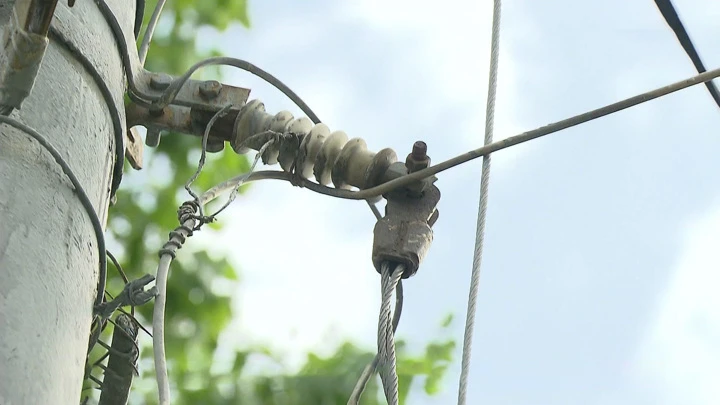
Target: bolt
x,y
419,150
418,158
215,145
160,81
210,88
152,138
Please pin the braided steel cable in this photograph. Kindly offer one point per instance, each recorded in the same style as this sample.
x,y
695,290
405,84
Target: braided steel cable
x,y
387,367
482,209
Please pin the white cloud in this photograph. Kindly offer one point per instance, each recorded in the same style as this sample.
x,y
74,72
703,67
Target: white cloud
x,y
680,355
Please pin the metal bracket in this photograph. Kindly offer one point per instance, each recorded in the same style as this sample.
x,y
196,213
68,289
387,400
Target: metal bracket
x,y
189,113
23,49
202,94
134,149
404,234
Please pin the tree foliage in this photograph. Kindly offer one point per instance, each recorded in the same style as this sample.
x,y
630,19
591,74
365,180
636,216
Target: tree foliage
x,y
197,312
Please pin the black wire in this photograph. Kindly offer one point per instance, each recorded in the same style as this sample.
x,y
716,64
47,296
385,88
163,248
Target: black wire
x,y
117,32
673,20
139,16
117,266
171,92
82,196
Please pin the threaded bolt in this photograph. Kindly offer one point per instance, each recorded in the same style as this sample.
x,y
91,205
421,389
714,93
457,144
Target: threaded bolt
x,y
419,150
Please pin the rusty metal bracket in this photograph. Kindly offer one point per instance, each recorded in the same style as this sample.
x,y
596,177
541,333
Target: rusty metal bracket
x,y
189,113
202,94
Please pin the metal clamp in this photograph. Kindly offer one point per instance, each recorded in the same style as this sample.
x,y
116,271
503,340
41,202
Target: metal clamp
x,y
404,234
191,110
24,41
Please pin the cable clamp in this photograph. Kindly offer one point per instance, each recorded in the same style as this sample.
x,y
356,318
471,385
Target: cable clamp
x,y
404,234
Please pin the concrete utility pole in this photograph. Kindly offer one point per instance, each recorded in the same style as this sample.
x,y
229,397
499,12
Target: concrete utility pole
x,y
48,250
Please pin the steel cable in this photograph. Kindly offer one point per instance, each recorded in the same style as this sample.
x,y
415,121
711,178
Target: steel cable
x,y
482,209
371,368
387,367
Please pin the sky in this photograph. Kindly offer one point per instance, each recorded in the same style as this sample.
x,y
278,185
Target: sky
x,y
599,271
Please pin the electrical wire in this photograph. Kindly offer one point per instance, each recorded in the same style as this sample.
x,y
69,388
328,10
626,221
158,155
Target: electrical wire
x,y
482,208
117,123
493,147
672,19
387,361
150,31
133,92
371,368
81,194
236,182
162,101
171,92
139,17
158,321
203,152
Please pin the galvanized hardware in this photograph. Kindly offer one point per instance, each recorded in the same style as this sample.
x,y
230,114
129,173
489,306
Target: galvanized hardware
x,y
24,41
418,160
404,234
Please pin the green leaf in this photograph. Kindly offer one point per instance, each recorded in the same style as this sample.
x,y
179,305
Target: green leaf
x,y
447,321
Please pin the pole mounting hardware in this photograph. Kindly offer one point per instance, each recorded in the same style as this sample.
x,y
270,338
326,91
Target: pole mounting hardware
x,y
404,234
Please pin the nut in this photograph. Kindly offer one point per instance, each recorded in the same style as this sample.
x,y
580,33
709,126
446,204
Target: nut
x,y
395,170
418,158
160,81
210,89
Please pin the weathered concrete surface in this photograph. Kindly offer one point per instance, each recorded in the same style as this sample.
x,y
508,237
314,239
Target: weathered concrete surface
x,y
48,250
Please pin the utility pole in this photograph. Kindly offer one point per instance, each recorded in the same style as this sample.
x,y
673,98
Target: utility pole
x,y
49,252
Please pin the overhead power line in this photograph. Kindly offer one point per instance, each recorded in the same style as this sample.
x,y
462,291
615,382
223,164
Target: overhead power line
x,y
673,20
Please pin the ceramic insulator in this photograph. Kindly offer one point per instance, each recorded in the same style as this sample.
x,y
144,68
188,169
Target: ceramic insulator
x,y
312,149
